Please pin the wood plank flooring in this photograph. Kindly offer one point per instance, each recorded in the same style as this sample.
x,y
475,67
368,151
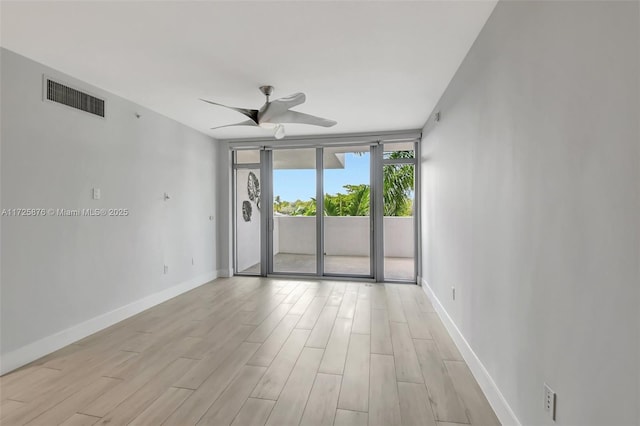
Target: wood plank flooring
x,y
253,351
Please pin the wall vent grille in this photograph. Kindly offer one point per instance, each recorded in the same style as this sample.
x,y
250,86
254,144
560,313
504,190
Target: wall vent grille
x,y
69,96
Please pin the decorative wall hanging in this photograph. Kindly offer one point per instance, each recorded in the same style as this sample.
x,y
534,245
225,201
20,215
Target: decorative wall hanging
x,y
253,189
246,211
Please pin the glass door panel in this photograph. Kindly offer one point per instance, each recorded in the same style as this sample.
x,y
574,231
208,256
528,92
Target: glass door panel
x,y
247,220
398,218
294,211
347,207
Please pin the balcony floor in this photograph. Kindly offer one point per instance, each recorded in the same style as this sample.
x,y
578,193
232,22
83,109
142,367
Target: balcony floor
x,y
396,268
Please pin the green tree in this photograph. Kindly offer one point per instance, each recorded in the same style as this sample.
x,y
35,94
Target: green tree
x,y
305,208
358,200
398,184
332,205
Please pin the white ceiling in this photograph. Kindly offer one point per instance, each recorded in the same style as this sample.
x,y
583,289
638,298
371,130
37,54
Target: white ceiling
x,y
372,66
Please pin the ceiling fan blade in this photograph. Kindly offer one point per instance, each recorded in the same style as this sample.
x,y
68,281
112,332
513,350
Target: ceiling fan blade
x,y
277,107
291,100
301,118
242,123
251,113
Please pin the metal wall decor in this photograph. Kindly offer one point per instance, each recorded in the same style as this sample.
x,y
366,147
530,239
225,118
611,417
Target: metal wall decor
x,y
246,211
253,189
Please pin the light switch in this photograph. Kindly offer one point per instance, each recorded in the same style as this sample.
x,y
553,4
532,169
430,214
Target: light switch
x,y
96,193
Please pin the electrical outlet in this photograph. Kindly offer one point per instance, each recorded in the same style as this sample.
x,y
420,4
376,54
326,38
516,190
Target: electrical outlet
x,y
453,293
550,402
166,269
192,261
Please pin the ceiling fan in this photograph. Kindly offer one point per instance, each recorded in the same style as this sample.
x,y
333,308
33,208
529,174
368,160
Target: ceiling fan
x,y
274,114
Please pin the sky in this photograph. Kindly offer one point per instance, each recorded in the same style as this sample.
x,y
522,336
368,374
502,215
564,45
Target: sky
x,y
292,185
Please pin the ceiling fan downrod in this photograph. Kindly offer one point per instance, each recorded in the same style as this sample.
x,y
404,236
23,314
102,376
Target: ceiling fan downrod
x,y
267,91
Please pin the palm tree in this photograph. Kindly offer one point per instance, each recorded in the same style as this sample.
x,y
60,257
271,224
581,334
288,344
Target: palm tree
x,y
358,203
398,185
333,205
305,208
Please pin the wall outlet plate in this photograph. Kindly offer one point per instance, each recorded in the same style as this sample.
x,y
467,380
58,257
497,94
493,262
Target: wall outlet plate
x,y
550,402
166,269
96,193
453,293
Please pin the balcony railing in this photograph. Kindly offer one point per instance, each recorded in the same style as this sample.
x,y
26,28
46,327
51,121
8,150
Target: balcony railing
x,y
346,238
343,235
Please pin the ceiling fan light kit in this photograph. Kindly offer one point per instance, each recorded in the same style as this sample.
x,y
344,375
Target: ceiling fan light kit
x,y
274,114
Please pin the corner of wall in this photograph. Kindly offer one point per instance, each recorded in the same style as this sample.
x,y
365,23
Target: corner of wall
x,y
492,392
225,273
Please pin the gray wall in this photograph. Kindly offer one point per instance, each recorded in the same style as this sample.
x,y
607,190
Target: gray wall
x,y
58,272
531,206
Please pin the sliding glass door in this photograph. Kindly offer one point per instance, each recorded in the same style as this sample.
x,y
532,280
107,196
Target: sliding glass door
x,y
398,196
293,221
247,212
345,210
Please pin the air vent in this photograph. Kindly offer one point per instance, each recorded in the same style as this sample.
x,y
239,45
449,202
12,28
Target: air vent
x,y
69,96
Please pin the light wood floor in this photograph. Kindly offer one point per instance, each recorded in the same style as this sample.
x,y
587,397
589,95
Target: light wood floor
x,y
253,351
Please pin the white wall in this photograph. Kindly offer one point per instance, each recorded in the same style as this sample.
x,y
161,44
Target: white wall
x,y
61,273
530,184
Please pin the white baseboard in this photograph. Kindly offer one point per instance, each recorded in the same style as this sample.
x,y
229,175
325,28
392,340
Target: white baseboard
x,y
499,404
46,345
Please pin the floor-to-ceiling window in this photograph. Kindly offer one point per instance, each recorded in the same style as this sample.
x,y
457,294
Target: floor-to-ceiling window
x,y
340,210
347,211
247,209
398,197
293,222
